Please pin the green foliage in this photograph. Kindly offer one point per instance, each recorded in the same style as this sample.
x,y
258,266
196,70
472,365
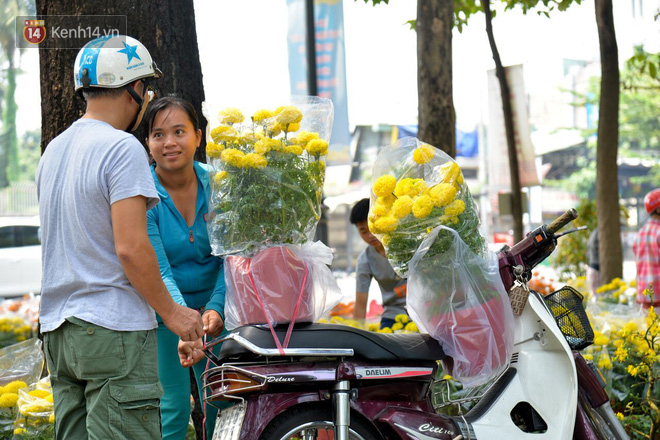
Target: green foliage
x,y
29,153
464,9
570,259
647,66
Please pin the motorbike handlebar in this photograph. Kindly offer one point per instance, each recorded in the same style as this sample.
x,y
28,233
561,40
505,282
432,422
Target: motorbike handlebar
x,y
562,220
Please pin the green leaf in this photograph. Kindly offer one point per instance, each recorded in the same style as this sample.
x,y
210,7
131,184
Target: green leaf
x,y
653,70
412,24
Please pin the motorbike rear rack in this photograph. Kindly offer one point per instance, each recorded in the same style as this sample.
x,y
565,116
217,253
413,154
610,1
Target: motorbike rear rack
x,y
229,385
272,352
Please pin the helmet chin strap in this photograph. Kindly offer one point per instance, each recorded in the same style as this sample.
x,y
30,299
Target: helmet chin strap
x,y
141,102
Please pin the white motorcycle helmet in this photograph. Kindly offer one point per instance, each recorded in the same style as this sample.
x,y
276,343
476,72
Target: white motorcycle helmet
x,y
113,62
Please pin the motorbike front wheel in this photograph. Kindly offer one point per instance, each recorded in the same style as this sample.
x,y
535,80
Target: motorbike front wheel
x,y
312,424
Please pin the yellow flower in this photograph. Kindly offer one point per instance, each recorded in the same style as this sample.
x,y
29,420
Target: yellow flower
x,y
404,187
381,210
419,187
317,147
223,133
20,431
219,176
230,115
633,371
387,200
423,154
294,149
261,147
254,160
455,208
233,157
51,418
14,386
304,137
411,327
619,416
604,363
260,115
384,185
291,128
317,166
386,239
39,393
397,326
402,318
402,207
601,340
630,326
451,173
8,400
213,149
386,224
620,354
49,398
442,194
385,330
373,327
447,377
289,115
274,128
422,206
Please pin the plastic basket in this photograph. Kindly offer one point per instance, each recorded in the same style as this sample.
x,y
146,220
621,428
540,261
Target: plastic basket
x,y
566,306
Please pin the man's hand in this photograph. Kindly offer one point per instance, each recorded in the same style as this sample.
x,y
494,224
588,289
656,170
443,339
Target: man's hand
x,y
184,322
190,352
213,324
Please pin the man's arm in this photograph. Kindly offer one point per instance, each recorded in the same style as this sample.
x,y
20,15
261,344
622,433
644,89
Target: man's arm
x,y
138,259
360,310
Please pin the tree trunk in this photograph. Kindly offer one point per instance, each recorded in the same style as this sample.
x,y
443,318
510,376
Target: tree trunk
x,y
166,28
516,195
607,190
437,118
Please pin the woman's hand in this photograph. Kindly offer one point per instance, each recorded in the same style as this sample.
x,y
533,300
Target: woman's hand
x,y
190,352
213,324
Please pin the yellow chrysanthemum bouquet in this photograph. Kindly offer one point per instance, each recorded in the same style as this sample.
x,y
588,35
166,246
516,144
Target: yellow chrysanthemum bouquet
x,y
14,328
423,213
35,419
267,174
417,187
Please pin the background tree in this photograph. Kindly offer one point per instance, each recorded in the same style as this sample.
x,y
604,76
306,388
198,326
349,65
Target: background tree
x,y
8,135
436,114
169,35
610,253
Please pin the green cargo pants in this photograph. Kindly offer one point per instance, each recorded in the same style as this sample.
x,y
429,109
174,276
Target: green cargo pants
x,y
105,382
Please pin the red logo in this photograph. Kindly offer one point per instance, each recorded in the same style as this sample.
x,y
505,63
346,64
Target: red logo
x,y
34,31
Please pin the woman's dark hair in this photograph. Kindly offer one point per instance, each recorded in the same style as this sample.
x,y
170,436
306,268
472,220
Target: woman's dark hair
x,y
360,212
170,102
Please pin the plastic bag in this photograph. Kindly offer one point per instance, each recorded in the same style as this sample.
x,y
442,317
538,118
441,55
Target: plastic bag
x,y
280,284
267,174
21,362
458,298
416,187
35,419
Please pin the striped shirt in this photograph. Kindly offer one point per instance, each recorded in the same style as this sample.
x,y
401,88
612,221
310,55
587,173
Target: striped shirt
x,y
647,254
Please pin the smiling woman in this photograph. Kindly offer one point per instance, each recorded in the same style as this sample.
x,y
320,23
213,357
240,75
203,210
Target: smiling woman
x,y
177,230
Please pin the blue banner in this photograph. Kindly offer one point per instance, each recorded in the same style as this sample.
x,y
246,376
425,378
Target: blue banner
x,y
330,65
467,142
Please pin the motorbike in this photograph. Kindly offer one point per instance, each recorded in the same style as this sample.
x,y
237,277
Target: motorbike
x,y
339,382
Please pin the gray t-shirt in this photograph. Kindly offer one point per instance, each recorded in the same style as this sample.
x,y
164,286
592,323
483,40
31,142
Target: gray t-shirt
x,y
84,170
371,264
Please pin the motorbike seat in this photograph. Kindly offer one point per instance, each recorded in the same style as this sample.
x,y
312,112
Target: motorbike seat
x,y
366,345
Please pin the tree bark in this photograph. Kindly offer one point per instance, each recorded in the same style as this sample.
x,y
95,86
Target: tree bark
x,y
516,195
437,118
607,189
166,28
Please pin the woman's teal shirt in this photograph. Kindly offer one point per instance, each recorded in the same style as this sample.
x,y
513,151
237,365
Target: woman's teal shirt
x,y
194,277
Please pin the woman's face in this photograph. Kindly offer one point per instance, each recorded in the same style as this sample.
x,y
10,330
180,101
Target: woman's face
x,y
173,140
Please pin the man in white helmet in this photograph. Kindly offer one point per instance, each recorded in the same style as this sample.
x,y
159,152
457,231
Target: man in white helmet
x,y
101,281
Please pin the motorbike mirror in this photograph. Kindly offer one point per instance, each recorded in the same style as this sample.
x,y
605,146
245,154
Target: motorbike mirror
x,y
581,228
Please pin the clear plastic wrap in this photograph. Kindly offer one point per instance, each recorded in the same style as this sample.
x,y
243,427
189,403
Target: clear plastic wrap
x,y
23,361
416,187
35,419
280,284
458,298
267,174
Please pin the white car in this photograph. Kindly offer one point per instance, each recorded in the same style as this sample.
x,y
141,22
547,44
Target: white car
x,y
20,256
